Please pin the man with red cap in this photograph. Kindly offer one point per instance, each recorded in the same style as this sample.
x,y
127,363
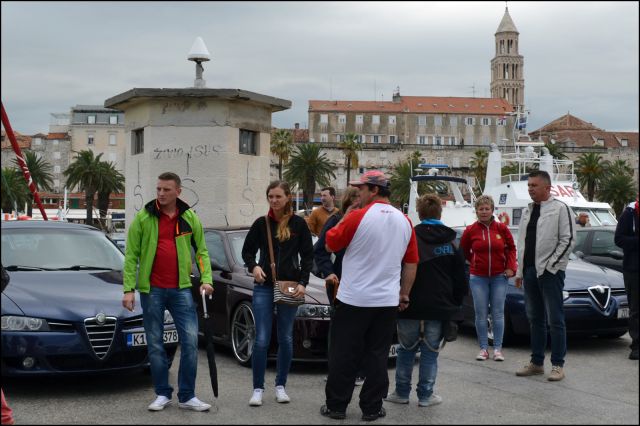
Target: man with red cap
x,y
378,270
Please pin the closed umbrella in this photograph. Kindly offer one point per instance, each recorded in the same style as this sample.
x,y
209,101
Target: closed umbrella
x,y
211,354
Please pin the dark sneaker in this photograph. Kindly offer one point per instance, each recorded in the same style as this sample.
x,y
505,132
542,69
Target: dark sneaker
x,y
374,416
337,415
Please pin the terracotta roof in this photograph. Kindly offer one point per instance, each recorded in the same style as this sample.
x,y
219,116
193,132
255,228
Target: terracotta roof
x,y
569,129
24,141
300,135
63,135
566,122
418,104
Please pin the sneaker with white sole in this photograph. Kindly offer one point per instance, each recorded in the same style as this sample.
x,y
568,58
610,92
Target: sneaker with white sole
x,y
498,355
194,404
396,399
159,403
482,355
256,398
281,395
432,400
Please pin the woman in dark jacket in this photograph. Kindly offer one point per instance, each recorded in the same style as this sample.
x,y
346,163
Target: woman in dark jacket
x,y
435,299
291,241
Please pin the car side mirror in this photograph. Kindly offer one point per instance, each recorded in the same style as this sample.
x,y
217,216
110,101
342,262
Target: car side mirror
x,y
616,254
579,254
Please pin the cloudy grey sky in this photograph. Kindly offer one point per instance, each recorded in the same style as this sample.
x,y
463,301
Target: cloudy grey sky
x,y
580,57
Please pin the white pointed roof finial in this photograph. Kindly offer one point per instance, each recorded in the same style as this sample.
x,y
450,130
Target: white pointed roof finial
x,y
199,53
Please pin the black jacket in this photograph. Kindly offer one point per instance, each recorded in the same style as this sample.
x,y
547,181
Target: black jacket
x,y
441,282
289,267
322,256
627,238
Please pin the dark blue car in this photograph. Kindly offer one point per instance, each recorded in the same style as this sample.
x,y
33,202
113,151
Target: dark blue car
x,y
62,310
595,302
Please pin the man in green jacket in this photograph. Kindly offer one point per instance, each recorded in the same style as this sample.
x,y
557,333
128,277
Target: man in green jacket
x,y
159,241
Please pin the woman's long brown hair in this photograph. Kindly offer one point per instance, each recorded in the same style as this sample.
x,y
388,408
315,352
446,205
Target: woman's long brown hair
x,y
283,233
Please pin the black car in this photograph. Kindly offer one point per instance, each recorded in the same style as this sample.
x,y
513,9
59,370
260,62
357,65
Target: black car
x,y
595,244
231,303
595,302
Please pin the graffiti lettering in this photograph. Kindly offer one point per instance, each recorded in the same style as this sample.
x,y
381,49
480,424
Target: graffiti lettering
x,y
139,200
247,195
189,195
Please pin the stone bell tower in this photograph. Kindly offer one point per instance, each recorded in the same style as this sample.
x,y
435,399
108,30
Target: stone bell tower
x,y
507,67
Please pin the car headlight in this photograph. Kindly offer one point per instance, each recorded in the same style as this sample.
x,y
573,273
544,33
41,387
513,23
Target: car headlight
x,y
565,295
168,319
16,323
314,311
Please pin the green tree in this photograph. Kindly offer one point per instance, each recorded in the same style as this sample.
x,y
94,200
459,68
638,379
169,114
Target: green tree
x,y
590,169
620,166
555,150
307,166
350,147
15,192
109,180
401,182
281,146
478,163
40,171
84,173
618,190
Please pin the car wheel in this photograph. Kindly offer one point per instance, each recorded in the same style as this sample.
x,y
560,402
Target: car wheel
x,y
243,333
613,335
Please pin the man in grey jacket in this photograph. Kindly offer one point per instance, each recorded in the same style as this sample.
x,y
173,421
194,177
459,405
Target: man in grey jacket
x,y
545,238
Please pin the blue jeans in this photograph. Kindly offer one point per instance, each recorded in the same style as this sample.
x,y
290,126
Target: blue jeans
x,y
543,300
489,291
408,337
179,303
263,309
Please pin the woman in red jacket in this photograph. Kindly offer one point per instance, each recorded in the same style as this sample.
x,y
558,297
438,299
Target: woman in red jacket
x,y
488,246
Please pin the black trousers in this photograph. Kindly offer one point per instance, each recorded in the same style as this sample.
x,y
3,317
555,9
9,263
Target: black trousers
x,y
359,337
631,286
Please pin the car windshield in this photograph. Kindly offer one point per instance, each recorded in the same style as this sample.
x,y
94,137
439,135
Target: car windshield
x,y
236,240
597,216
59,249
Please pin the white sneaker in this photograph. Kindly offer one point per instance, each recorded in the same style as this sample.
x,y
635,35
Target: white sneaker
x,y
194,404
432,400
281,395
159,403
256,398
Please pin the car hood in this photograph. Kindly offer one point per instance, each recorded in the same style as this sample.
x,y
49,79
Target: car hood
x,y
581,274
68,295
315,291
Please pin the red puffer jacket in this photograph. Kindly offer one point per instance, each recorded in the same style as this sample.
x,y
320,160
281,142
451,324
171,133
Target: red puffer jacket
x,y
489,249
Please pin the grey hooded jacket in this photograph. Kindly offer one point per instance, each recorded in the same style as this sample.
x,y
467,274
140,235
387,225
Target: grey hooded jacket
x,y
555,237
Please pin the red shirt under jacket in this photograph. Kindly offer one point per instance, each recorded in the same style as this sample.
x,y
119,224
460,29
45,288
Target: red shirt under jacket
x,y
165,265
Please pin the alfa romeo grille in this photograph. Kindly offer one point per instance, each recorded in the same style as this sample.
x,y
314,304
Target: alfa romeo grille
x,y
601,295
100,335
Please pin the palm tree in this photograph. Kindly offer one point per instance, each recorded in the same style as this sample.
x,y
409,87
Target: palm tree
x,y
306,167
478,163
617,189
590,170
40,171
15,192
620,166
555,150
401,182
350,147
84,172
110,180
281,146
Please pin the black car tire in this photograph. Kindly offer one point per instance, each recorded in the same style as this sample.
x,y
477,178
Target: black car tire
x,y
243,333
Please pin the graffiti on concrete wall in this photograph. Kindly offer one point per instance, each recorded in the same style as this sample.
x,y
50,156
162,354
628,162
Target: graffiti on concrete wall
x,y
248,196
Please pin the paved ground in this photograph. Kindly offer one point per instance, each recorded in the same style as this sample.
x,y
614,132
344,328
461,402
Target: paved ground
x,y
601,387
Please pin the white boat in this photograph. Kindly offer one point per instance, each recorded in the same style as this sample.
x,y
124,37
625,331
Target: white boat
x,y
510,192
455,213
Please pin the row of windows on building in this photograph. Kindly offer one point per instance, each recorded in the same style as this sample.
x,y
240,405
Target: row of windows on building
x,y
91,119
421,120
113,140
436,140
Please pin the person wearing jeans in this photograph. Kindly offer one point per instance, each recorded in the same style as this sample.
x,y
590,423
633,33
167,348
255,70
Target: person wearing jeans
x,y
158,259
293,258
435,299
488,246
545,238
263,308
180,304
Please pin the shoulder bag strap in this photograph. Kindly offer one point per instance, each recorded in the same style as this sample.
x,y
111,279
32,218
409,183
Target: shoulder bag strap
x,y
273,263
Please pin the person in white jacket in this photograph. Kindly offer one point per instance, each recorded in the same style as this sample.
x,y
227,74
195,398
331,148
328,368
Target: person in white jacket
x,y
545,239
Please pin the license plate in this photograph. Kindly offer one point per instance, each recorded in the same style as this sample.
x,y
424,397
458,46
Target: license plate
x,y
623,313
140,339
393,351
